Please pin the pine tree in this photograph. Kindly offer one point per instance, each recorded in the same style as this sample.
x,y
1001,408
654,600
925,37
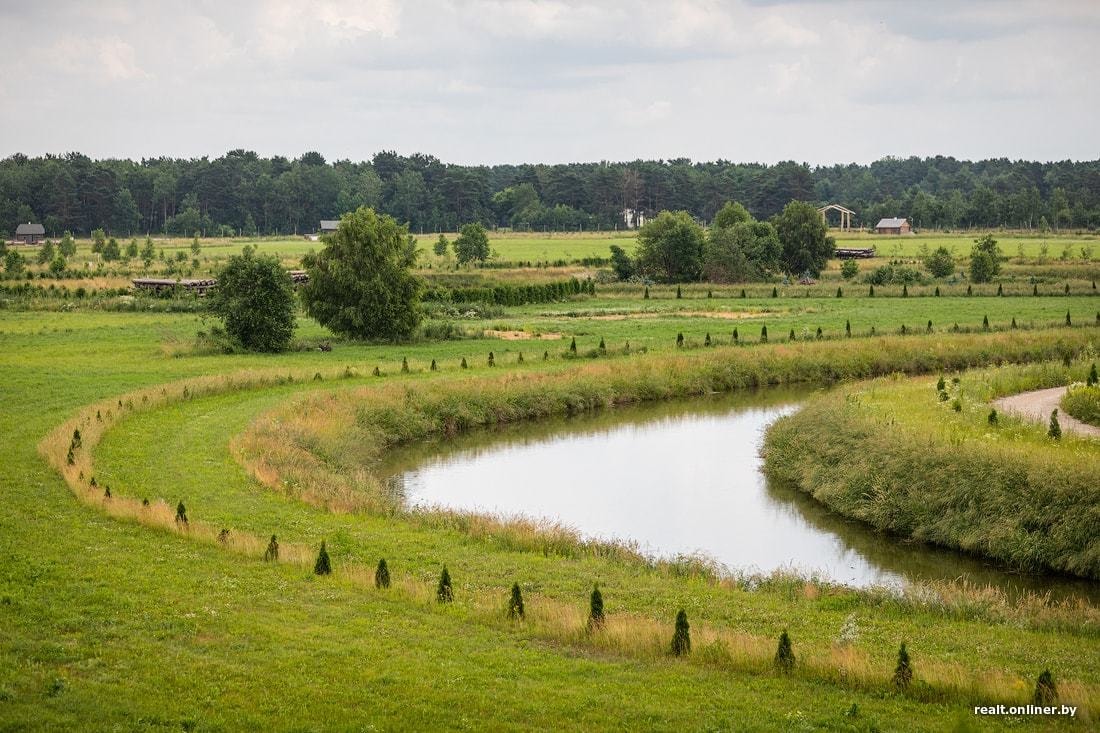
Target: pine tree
x,y
992,419
871,291
903,672
969,290
791,336
464,364
1055,429
904,330
775,292
840,292
680,339
1093,378
872,330
515,603
706,340
904,290
603,346
492,359
519,359
937,291
985,322
444,593
681,638
223,536
404,365
546,356
573,345
736,338
941,385
928,328
819,333
377,372
382,574
1067,288
323,566
70,459
1014,321
1035,289
1069,321
763,334
596,616
145,501
646,296
743,295
784,655
181,512
271,554
710,294
434,367
1046,693
679,294
77,439
847,327
106,492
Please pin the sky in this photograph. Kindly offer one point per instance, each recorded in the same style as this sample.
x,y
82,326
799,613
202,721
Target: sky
x,y
498,81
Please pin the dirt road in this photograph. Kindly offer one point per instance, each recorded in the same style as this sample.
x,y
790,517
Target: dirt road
x,y
1039,404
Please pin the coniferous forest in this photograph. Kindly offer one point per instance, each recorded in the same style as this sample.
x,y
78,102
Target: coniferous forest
x,y
243,193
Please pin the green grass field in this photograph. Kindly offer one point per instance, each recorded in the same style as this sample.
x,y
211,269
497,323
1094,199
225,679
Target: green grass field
x,y
112,622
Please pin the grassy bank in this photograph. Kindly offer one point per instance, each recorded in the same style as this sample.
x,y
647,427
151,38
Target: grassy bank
x,y
935,466
1083,402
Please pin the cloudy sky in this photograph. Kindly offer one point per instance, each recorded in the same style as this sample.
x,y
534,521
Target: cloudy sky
x,y
490,81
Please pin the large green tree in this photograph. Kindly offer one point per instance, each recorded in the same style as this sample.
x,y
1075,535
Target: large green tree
x,y
255,299
472,244
670,247
361,284
985,259
748,250
804,238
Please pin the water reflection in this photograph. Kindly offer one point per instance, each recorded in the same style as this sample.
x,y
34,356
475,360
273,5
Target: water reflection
x,y
678,478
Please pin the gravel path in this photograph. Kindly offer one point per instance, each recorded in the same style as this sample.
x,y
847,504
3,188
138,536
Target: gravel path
x,y
1039,404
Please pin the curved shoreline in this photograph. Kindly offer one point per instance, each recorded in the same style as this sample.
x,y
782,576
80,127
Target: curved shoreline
x,y
1037,406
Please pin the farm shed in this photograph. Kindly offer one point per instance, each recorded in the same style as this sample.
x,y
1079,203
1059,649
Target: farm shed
x,y
30,233
893,226
328,226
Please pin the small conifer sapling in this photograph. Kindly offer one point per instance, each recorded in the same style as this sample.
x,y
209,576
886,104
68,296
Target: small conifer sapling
x,y
443,592
271,554
903,672
382,575
323,566
515,603
1046,693
1055,429
181,513
784,655
596,616
681,637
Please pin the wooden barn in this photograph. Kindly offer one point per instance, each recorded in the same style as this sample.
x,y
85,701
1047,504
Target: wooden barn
x,y
328,226
30,233
893,226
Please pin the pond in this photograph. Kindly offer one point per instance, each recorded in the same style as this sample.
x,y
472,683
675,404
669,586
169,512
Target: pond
x,y
679,478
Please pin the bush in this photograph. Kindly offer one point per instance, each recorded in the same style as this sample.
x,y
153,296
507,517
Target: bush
x,y
1046,693
382,572
681,638
903,672
515,603
763,334
849,269
181,511
784,655
323,566
271,554
985,259
940,263
1055,429
255,300
1083,401
596,616
443,592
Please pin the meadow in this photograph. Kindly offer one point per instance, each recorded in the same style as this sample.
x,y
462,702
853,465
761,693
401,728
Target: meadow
x,y
117,616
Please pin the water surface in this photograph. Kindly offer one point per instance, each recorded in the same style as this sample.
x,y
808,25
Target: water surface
x,y
678,478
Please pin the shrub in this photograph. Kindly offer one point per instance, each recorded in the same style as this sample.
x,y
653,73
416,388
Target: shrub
x,y
969,290
1000,289
1035,290
1055,429
573,345
706,340
790,336
519,359
271,554
405,365
1069,321
323,566
255,300
941,385
679,294
849,269
871,292
1083,402
382,573
985,322
1092,381
905,291
937,291
443,592
434,367
1046,693
646,295
603,346
784,655
377,372
992,419
515,603
840,290
743,295
464,365
1013,321
819,333
681,638
940,263
775,292
680,339
596,616
223,536
928,328
736,336
492,359
903,672
181,511
847,327
763,334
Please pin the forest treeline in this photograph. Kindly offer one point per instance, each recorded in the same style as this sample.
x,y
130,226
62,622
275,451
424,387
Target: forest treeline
x,y
241,192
